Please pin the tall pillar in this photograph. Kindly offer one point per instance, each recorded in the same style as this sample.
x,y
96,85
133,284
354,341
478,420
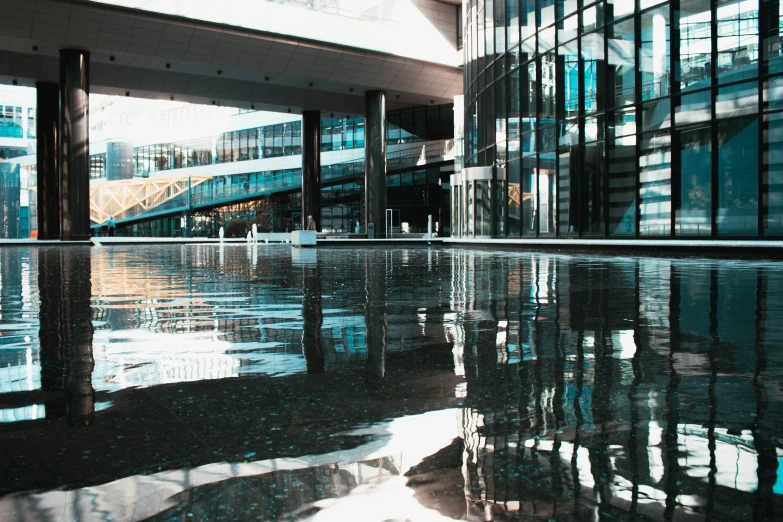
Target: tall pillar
x,y
311,167
46,133
375,161
74,144
313,318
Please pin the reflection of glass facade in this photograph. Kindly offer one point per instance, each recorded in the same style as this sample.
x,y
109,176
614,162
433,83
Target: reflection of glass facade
x,y
623,118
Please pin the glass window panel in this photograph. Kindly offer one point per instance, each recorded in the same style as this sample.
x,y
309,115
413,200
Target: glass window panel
x,y
773,93
737,100
568,29
695,23
656,115
548,88
622,175
622,63
483,209
694,108
547,192
528,143
512,88
738,41
589,21
738,190
527,20
547,12
529,196
654,58
566,7
512,22
620,8
694,216
655,184
568,133
594,181
490,29
546,40
568,162
773,36
499,195
594,128
644,4
773,174
529,97
570,84
594,69
500,28
514,198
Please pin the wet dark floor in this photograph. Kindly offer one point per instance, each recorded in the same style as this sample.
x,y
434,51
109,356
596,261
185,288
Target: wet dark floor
x,y
245,383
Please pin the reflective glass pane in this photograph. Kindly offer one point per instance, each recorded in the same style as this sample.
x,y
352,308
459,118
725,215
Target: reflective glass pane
x,y
655,184
738,191
773,36
568,163
570,75
568,29
548,88
566,7
594,184
622,64
737,100
514,198
594,69
622,175
654,58
773,174
527,18
546,12
738,42
656,115
499,195
619,8
512,88
512,23
695,23
694,108
694,217
529,196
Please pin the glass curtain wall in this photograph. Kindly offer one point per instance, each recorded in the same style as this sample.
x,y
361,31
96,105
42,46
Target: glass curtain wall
x,y
627,118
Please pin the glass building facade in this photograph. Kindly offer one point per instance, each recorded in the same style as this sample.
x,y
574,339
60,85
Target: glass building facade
x,y
622,119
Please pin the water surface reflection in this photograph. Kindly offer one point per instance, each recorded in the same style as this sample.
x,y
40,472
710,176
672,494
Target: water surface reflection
x,y
261,382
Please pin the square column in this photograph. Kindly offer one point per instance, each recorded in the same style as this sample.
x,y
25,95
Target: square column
x,y
311,168
375,162
74,144
47,150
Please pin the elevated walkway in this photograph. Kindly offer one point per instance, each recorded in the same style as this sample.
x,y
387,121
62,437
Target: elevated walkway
x,y
139,200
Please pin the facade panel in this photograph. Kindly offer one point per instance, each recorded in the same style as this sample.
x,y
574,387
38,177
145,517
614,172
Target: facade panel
x,y
623,119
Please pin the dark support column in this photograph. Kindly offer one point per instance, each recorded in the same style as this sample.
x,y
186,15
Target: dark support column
x,y
46,132
375,161
74,144
311,167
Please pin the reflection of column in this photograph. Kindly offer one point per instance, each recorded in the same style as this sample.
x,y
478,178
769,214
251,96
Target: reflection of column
x,y
311,167
66,331
375,161
46,132
377,337
670,437
767,469
313,319
74,144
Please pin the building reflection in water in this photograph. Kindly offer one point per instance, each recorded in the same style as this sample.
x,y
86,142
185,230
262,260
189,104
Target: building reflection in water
x,y
66,333
593,387
630,387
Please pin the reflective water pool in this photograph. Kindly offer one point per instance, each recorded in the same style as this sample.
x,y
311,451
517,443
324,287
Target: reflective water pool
x,y
243,383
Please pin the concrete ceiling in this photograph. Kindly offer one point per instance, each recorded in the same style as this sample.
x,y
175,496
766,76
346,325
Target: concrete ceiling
x,y
157,56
